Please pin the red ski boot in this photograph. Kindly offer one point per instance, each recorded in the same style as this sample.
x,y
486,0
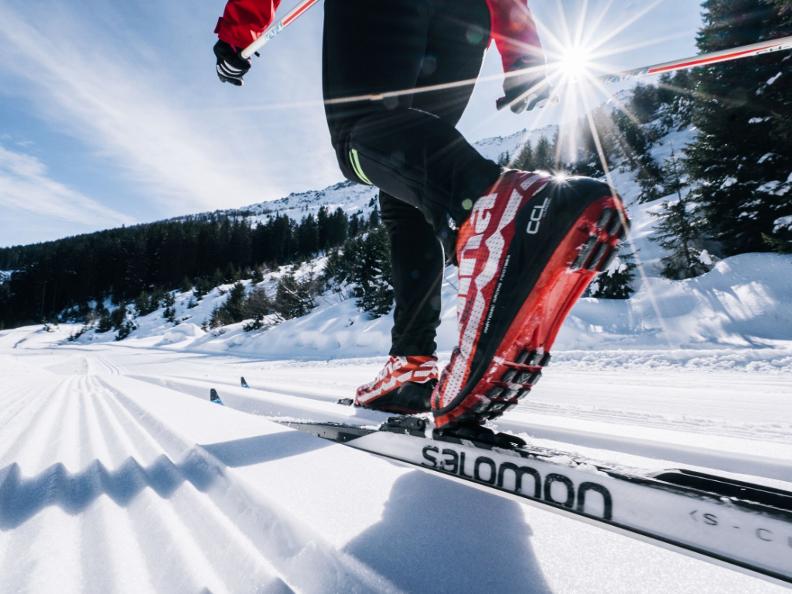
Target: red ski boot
x,y
526,254
403,386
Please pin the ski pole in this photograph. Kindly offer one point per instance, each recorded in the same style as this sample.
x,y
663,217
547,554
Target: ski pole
x,y
273,30
736,53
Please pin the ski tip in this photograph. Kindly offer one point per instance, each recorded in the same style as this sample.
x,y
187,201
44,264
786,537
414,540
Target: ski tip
x,y
214,396
345,401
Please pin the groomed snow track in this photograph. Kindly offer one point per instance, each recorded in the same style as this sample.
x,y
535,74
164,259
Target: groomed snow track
x,y
118,474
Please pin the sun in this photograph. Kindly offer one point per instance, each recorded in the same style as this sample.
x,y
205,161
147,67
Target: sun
x,y
575,63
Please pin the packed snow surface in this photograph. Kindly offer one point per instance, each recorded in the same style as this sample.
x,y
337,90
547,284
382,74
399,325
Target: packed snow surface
x,y
118,474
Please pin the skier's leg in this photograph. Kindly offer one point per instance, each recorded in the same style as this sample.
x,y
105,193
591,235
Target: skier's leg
x,y
406,382
453,54
413,155
416,272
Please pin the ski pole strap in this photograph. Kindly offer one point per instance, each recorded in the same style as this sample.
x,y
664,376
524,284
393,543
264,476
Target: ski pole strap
x,y
275,29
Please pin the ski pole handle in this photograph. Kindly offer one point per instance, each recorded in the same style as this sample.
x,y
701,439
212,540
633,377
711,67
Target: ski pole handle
x,y
275,29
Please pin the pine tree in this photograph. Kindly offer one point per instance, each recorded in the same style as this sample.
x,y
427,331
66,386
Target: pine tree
x,y
525,158
634,146
256,306
544,155
294,298
338,227
374,219
233,310
169,303
308,236
104,323
617,281
680,230
679,99
741,158
370,273
589,160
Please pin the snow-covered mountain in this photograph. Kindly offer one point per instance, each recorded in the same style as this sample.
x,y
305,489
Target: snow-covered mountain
x,y
353,198
348,196
742,302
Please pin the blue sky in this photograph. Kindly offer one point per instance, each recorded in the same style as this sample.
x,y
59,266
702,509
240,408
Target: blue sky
x,y
111,113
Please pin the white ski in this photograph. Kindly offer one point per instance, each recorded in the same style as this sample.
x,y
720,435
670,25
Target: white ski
x,y
742,524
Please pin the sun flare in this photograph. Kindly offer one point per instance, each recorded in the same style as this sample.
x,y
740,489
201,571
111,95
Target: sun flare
x,y
574,63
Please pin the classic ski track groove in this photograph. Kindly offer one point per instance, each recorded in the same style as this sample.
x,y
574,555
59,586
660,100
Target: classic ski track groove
x,y
276,537
526,407
130,560
104,450
14,579
199,539
762,432
267,404
194,516
168,524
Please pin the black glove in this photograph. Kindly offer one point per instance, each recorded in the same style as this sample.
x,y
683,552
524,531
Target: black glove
x,y
525,91
231,66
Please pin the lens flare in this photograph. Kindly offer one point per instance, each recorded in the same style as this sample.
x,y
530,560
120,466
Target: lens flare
x,y
575,63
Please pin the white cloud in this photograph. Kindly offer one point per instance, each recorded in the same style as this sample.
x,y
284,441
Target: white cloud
x,y
25,185
120,95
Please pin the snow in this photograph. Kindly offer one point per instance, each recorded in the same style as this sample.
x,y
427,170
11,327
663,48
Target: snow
x,y
493,148
782,223
774,187
742,302
149,487
773,79
353,198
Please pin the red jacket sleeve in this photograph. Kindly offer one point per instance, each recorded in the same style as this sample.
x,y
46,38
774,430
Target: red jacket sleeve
x,y
514,32
244,21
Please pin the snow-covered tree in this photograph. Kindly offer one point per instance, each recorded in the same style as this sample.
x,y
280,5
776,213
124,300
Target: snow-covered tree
x,y
294,298
741,158
370,272
635,145
617,281
680,230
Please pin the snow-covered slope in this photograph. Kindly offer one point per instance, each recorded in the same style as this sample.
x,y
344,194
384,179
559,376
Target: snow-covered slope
x,y
352,198
349,197
743,302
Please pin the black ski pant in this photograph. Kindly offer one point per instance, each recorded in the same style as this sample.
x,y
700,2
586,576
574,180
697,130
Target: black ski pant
x,y
407,145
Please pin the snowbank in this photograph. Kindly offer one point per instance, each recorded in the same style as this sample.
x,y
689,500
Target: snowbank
x,y
743,302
